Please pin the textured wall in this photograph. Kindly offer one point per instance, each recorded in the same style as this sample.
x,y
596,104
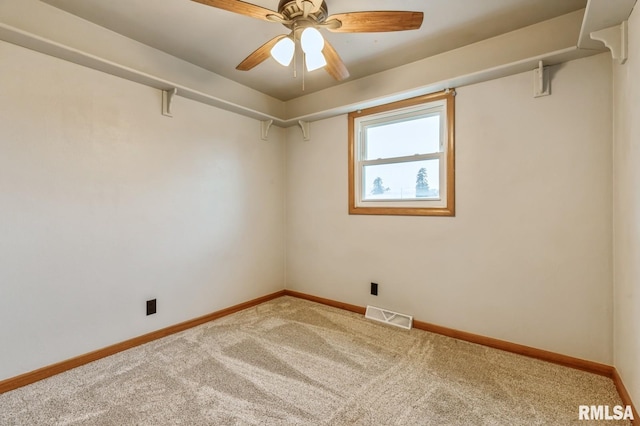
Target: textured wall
x,y
627,214
105,203
528,256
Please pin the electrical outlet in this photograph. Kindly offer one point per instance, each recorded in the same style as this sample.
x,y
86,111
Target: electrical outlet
x,y
374,289
151,307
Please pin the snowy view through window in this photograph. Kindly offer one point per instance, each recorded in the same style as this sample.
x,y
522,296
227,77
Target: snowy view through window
x,y
401,177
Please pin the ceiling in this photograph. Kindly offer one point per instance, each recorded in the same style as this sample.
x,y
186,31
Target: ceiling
x,y
218,40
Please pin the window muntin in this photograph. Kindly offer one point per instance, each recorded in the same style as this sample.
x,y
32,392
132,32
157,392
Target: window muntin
x,y
401,158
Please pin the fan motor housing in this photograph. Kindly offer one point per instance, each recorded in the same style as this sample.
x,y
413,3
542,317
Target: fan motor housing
x,y
292,10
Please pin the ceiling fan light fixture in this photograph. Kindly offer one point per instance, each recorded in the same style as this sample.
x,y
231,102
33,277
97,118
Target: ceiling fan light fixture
x,y
314,60
311,41
283,50
304,17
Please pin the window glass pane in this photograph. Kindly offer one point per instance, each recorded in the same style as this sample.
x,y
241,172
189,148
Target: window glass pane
x,y
399,181
419,135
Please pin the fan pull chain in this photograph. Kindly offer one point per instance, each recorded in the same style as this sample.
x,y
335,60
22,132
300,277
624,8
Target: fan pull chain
x,y
295,53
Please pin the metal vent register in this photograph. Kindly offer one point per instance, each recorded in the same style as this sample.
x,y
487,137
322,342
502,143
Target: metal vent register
x,y
389,317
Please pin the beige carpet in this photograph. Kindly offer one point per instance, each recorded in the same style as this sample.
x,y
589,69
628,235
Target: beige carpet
x,y
293,362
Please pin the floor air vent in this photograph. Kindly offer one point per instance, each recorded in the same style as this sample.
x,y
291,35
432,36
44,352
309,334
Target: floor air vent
x,y
389,317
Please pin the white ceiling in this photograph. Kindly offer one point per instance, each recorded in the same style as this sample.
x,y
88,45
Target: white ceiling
x,y
218,40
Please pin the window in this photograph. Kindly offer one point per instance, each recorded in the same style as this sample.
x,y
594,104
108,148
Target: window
x,y
401,157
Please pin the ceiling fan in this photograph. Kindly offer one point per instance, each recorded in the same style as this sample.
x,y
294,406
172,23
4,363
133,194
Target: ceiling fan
x,y
304,18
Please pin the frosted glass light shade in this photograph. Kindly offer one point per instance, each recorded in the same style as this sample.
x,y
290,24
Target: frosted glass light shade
x,y
283,51
311,40
314,60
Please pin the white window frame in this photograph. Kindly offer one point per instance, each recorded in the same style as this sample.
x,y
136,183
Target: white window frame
x,y
442,104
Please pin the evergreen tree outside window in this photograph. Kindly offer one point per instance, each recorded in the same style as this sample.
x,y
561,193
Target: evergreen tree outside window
x,y
377,187
422,183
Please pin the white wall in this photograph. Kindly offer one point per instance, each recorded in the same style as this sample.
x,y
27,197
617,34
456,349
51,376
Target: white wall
x,y
627,214
105,203
528,257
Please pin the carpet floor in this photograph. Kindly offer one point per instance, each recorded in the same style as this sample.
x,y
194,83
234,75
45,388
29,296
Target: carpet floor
x,y
294,362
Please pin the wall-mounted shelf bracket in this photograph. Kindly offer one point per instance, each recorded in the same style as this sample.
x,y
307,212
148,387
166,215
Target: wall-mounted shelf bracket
x,y
615,38
167,97
304,125
541,81
264,129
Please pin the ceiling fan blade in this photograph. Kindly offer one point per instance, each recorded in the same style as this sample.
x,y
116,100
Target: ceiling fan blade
x,y
375,21
260,55
335,67
242,8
